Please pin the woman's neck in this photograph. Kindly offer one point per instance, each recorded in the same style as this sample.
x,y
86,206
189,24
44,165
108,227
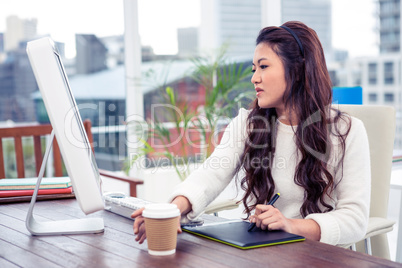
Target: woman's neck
x,y
286,117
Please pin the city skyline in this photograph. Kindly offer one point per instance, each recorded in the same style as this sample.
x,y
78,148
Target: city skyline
x,y
353,27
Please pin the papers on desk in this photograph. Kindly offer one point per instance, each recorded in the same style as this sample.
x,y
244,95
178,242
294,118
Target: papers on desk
x,y
234,233
25,187
30,183
12,193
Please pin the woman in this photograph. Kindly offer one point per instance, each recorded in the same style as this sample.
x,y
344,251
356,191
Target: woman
x,y
292,142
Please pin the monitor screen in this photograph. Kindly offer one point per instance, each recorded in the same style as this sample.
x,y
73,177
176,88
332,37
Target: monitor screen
x,y
67,124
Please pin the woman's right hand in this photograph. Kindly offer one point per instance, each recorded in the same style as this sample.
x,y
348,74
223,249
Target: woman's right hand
x,y
139,225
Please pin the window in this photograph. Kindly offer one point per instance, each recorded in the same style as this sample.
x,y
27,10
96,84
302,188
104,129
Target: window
x,y
388,73
372,97
372,73
334,79
357,81
389,97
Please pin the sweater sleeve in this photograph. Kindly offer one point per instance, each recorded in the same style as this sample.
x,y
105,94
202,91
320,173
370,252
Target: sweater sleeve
x,y
205,183
347,223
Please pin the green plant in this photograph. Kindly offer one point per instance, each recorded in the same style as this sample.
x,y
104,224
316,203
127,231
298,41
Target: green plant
x,y
10,165
225,87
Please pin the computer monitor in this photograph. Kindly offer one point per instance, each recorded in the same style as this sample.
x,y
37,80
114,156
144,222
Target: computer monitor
x,y
72,139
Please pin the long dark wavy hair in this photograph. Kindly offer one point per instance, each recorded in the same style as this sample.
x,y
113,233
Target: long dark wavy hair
x,y
308,95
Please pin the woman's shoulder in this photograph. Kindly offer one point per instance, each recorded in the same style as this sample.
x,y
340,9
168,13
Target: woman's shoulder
x,y
239,123
241,116
244,112
236,128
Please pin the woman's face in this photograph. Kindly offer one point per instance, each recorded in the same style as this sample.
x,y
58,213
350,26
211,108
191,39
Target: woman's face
x,y
268,78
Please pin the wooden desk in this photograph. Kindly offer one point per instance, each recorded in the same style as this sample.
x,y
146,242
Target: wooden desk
x,y
116,246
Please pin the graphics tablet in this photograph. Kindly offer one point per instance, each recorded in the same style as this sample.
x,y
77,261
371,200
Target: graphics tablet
x,y
235,234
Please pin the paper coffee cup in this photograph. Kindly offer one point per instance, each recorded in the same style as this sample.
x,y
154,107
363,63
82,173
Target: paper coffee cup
x,y
161,222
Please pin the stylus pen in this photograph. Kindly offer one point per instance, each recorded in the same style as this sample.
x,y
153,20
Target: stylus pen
x,y
273,200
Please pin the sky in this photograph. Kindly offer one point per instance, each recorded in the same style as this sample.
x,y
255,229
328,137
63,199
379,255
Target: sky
x,y
353,26
353,21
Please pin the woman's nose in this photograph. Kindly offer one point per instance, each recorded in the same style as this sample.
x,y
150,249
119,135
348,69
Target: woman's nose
x,y
255,78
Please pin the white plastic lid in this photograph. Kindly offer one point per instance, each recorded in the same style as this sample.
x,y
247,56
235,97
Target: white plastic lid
x,y
160,211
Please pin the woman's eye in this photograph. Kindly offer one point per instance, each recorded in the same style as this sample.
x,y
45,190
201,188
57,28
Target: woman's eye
x,y
263,66
253,70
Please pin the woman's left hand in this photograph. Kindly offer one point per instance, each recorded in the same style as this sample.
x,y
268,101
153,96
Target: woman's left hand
x,y
267,217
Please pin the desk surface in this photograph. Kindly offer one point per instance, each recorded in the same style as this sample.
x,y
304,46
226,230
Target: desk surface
x,y
116,246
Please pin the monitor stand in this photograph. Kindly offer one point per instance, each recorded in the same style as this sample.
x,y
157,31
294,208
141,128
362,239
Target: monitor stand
x,y
76,226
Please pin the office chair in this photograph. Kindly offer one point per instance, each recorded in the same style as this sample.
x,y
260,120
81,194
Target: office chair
x,y
379,122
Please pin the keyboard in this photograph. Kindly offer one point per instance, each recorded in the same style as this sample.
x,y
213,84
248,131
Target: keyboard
x,y
123,205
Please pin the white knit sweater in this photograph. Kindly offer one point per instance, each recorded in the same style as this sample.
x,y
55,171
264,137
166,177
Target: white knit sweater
x,y
347,223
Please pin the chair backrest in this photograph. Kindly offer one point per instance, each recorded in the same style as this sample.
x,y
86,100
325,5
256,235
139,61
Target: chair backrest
x,y
35,131
379,122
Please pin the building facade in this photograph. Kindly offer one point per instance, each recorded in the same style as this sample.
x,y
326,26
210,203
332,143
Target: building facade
x,y
187,40
17,83
315,14
380,75
390,26
237,23
232,23
18,30
380,78
1,43
91,54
